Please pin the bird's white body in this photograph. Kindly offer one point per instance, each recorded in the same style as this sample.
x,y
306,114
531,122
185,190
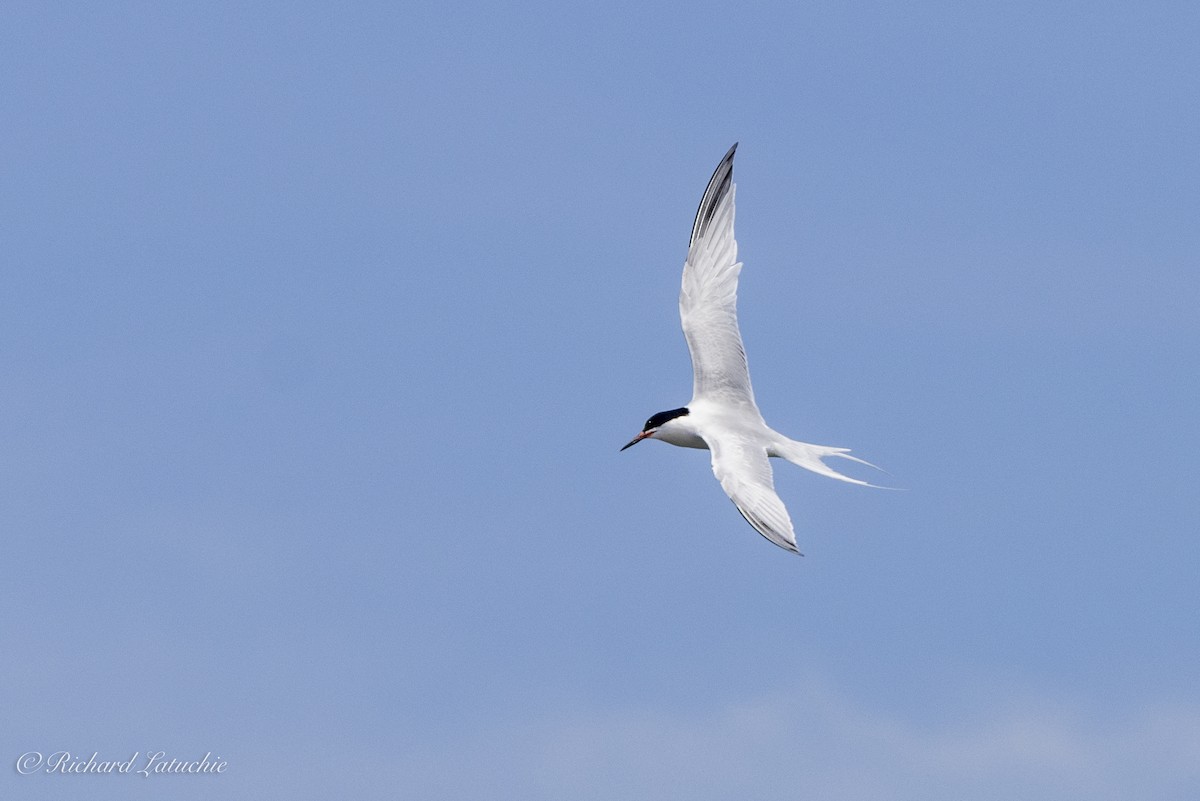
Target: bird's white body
x,y
706,417
722,416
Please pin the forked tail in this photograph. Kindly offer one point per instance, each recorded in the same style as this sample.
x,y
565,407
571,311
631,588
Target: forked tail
x,y
811,457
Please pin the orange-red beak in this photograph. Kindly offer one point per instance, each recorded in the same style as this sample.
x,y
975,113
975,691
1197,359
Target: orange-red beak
x,y
638,439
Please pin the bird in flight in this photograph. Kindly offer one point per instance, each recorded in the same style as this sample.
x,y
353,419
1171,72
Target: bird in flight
x,y
722,416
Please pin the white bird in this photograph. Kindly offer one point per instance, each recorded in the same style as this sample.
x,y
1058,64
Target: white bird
x,y
722,416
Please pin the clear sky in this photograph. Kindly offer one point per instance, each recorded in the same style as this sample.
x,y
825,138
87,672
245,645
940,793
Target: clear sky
x,y
321,326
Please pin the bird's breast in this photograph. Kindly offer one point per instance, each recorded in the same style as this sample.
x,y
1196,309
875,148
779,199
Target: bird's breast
x,y
680,434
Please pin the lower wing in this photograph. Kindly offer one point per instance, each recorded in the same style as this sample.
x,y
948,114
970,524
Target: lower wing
x,y
745,474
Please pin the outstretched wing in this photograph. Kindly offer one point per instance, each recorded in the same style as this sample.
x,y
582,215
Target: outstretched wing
x,y
745,474
708,297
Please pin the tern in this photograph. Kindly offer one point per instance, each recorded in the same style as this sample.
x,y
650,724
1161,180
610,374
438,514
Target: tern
x,y
722,416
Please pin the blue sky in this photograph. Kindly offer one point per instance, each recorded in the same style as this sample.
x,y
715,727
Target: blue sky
x,y
321,327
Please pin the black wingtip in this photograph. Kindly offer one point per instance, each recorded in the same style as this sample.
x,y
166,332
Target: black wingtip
x,y
718,186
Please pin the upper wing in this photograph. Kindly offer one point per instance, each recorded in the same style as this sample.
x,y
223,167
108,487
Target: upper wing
x,y
708,297
745,474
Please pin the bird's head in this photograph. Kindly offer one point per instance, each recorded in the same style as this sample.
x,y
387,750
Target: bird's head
x,y
656,424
